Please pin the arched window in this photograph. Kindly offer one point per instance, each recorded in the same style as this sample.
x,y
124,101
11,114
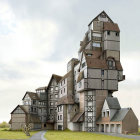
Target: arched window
x,y
111,63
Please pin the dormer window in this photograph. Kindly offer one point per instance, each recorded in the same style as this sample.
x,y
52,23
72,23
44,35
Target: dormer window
x,y
103,114
34,102
111,64
107,113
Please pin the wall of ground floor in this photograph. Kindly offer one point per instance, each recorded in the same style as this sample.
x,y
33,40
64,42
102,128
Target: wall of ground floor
x,y
17,125
109,128
50,126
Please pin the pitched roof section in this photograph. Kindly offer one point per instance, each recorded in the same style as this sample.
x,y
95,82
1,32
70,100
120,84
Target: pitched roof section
x,y
66,100
32,95
66,75
42,88
111,27
57,77
120,114
113,103
77,117
118,65
22,108
96,63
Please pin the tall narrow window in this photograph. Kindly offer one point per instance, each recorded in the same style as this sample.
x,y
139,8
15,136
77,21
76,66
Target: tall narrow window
x,y
117,33
107,113
102,72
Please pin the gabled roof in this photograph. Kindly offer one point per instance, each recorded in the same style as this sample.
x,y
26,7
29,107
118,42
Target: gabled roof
x,y
32,95
67,99
103,12
113,103
77,117
42,88
120,114
22,108
56,77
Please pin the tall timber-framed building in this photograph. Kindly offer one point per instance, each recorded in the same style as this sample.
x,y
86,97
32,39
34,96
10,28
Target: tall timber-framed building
x,y
82,99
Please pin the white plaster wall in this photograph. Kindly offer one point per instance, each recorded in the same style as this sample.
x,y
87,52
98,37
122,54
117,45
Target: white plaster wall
x,y
105,106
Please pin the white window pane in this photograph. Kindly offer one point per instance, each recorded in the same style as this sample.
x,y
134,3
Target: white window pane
x,y
96,44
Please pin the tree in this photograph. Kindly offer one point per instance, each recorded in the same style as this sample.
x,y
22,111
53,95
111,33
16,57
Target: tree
x,y
4,124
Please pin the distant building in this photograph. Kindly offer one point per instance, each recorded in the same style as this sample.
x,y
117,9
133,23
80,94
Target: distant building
x,y
82,100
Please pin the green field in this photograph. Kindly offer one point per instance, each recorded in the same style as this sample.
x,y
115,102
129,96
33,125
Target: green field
x,y
68,135
13,134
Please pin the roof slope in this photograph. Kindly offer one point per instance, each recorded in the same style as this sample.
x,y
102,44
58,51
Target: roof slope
x,y
120,114
42,88
113,103
77,117
22,108
57,77
103,12
66,100
111,27
66,75
32,95
96,63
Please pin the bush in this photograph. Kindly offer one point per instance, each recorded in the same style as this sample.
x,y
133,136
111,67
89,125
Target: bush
x,y
4,125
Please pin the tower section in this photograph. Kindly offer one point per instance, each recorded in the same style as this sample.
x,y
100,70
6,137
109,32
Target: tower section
x,y
99,69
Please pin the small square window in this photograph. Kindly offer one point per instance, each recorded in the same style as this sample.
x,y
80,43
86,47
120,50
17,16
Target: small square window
x,y
108,32
117,33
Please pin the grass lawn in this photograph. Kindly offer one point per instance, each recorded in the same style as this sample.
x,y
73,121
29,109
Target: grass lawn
x,y
13,134
69,135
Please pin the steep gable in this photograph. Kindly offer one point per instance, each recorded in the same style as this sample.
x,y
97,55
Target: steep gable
x,y
19,110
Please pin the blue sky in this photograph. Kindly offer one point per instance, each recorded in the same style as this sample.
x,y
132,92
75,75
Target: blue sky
x,y
39,37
